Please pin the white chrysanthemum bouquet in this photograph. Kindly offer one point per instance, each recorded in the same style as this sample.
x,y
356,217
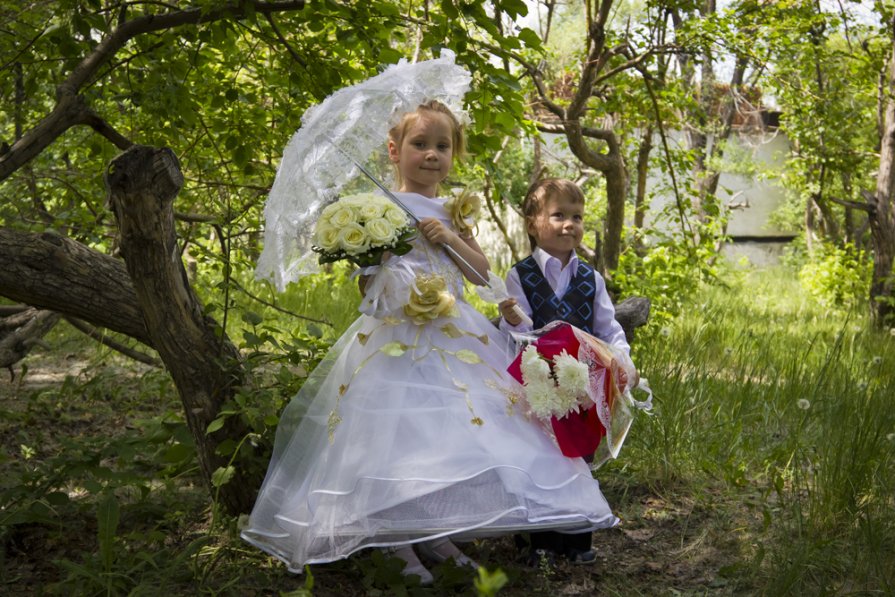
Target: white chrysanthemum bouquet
x,y
360,228
554,387
570,379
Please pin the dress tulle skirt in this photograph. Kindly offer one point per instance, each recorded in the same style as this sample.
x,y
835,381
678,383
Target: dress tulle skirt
x,y
409,432
401,435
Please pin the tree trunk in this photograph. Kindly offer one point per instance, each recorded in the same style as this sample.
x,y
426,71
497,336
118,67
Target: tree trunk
x,y
616,194
882,212
643,156
206,367
612,164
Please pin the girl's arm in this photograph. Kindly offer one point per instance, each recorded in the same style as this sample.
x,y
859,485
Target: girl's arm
x,y
438,233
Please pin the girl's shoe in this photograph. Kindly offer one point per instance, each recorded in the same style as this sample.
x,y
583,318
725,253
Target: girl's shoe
x,y
412,564
441,550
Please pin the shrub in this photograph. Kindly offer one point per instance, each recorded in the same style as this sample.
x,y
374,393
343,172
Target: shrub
x,y
837,277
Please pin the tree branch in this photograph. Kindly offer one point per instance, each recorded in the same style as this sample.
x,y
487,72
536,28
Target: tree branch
x,y
71,109
160,22
103,339
595,159
94,121
27,331
866,207
56,273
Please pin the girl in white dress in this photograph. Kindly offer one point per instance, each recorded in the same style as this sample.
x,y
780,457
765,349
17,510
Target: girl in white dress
x,y
410,432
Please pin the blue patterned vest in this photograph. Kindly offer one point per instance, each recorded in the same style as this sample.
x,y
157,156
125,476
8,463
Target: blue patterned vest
x,y
575,307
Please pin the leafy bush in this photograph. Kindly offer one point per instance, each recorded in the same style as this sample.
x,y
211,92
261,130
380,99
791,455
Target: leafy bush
x,y
666,273
837,277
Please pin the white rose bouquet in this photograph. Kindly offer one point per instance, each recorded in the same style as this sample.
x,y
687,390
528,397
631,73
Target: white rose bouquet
x,y
360,228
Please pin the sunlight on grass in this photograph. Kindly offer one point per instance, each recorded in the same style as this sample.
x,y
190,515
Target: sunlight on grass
x,y
758,388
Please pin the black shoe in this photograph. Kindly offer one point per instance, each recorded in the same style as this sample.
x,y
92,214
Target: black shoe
x,y
577,556
541,557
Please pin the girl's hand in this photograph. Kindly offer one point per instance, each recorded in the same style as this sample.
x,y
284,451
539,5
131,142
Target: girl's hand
x,y
436,232
465,252
506,311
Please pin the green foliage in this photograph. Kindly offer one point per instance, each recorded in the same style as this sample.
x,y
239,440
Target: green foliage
x,y
305,591
837,277
488,584
666,271
826,89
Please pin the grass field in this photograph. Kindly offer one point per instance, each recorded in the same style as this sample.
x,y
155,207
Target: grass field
x,y
766,467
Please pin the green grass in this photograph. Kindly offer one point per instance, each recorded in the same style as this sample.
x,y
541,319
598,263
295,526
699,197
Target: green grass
x,y
766,466
760,393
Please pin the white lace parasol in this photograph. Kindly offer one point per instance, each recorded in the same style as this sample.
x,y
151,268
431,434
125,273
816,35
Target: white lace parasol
x,y
349,127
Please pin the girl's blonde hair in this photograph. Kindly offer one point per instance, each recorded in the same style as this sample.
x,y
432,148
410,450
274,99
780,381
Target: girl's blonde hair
x,y
458,138
542,190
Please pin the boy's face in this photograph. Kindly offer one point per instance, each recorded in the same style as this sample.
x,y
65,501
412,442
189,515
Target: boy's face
x,y
558,227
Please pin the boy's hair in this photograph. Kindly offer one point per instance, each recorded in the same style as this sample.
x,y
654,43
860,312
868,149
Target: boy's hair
x,y
542,190
458,137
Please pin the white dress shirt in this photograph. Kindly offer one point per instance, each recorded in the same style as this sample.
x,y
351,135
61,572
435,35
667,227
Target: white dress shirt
x,y
604,326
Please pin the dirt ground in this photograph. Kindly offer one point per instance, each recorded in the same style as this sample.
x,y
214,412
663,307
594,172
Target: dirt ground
x,y
679,541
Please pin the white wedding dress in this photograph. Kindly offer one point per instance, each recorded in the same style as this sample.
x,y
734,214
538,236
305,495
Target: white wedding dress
x,y
409,432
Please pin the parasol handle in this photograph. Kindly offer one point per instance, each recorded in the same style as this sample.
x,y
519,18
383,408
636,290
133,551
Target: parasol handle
x,y
383,188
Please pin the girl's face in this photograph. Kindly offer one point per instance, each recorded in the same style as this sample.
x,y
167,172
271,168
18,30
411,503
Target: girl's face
x,y
558,227
425,155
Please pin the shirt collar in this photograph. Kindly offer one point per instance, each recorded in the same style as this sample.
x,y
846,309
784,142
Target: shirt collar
x,y
542,258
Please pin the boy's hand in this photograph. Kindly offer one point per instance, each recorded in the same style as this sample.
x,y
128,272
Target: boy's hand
x,y
623,380
506,311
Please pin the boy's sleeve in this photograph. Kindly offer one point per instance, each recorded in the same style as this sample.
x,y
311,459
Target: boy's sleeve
x,y
514,289
605,327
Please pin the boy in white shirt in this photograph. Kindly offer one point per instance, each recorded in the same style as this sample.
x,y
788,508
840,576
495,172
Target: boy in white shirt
x,y
554,285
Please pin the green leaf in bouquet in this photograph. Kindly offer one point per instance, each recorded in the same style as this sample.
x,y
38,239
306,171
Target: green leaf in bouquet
x,y
368,259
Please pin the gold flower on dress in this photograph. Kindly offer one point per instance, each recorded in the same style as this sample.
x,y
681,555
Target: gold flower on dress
x,y
464,209
429,299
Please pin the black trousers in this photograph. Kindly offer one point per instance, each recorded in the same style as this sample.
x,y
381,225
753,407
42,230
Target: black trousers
x,y
560,543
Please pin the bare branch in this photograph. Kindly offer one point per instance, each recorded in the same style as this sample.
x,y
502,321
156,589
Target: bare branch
x,y
866,207
276,307
568,129
97,123
105,340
